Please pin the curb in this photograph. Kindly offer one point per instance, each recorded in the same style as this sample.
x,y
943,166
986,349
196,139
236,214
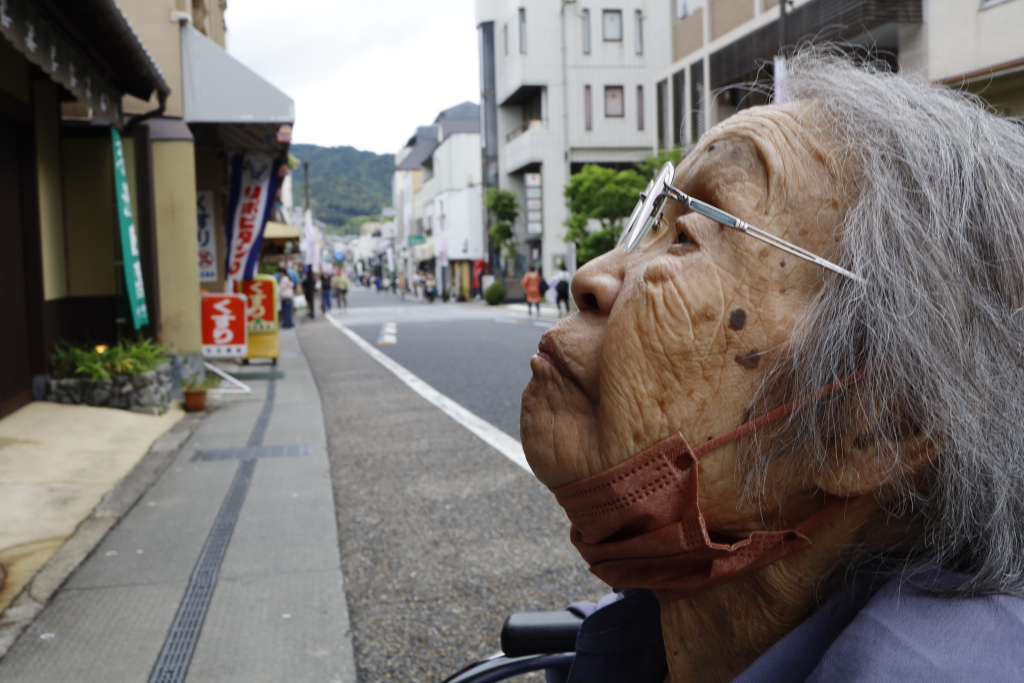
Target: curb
x,y
79,545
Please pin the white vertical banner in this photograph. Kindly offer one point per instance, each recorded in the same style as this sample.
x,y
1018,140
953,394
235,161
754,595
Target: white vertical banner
x,y
207,237
309,243
442,256
253,184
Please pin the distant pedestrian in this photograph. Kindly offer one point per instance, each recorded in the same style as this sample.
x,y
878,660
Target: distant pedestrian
x,y
286,292
309,283
531,285
430,288
325,291
341,285
403,284
560,281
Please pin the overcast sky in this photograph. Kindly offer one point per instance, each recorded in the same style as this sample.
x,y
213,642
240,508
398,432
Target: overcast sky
x,y
363,73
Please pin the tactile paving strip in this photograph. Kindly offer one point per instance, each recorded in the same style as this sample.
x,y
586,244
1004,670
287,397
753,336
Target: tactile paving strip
x,y
252,452
256,438
172,665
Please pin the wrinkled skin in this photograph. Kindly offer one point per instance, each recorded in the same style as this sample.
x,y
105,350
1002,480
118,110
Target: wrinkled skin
x,y
656,349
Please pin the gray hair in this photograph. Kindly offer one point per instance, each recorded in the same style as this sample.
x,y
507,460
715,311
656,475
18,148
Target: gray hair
x,y
936,225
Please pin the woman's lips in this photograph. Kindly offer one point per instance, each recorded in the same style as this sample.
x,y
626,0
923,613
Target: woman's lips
x,y
548,352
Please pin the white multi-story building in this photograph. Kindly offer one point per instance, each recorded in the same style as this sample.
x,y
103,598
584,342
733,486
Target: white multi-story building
x,y
719,44
406,198
452,196
564,84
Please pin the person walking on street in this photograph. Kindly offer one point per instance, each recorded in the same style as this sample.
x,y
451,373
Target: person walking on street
x,y
286,291
560,281
341,284
531,285
402,285
309,290
325,291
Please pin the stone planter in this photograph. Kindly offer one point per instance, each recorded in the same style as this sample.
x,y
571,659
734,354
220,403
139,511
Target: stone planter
x,y
147,392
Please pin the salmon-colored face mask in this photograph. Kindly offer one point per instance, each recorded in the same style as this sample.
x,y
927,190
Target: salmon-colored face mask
x,y
638,524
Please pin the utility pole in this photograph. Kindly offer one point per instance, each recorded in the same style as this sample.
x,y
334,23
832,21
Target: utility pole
x,y
781,93
571,257
305,174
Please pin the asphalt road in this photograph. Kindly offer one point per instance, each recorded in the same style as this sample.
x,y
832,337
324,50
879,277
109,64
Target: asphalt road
x,y
478,356
441,537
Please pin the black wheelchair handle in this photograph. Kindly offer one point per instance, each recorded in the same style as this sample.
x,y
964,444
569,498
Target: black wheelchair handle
x,y
538,633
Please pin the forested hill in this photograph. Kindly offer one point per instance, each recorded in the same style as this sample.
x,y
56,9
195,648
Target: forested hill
x,y
344,183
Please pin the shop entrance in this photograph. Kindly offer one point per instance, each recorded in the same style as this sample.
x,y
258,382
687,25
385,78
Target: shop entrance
x,y
15,362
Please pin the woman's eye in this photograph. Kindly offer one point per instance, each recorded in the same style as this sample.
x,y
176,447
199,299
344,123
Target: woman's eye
x,y
683,238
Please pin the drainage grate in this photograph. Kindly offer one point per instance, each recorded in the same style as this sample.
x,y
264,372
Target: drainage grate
x,y
181,641
252,452
174,660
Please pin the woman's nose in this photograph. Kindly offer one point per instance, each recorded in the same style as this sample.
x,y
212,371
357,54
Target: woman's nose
x,y
597,284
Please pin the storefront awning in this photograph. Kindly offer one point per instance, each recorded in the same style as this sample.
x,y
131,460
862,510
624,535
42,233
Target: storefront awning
x,y
280,231
217,88
88,47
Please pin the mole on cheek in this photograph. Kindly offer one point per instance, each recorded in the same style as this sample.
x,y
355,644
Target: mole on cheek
x,y
737,319
749,360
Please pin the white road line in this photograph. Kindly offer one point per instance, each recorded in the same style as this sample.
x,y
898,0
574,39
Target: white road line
x,y
491,435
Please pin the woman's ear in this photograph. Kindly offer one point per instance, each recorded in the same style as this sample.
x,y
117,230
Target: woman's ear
x,y
877,459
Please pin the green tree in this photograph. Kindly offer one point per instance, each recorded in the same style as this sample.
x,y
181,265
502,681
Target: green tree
x,y
650,166
603,194
504,206
609,197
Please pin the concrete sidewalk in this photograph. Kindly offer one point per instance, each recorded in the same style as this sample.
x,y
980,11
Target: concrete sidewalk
x,y
227,569
56,464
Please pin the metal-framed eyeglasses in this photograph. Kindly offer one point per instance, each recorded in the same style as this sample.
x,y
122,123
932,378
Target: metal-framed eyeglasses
x,y
651,207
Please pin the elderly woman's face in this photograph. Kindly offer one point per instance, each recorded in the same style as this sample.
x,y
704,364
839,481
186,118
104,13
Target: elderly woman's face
x,y
676,335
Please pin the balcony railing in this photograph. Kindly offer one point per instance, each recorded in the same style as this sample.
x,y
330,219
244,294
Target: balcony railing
x,y
529,124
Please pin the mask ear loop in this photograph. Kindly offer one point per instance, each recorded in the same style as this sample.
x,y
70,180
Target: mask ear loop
x,y
783,411
777,414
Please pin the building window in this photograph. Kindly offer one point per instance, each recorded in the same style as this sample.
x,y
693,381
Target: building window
x,y
679,108
685,8
586,32
522,30
505,31
639,107
588,109
613,25
697,100
614,107
662,113
639,32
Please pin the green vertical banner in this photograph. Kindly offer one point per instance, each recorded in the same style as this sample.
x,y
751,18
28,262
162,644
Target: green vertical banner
x,y
134,288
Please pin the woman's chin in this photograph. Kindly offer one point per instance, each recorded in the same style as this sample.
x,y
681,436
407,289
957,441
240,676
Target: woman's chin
x,y
557,427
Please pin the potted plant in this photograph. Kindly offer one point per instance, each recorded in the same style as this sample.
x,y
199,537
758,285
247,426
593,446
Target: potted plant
x,y
195,391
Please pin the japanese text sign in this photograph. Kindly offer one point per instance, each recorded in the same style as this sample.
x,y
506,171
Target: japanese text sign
x,y
253,186
262,295
134,289
225,333
206,236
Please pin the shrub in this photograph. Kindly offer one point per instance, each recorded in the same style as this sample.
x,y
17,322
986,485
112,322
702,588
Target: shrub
x,y
495,294
101,362
193,383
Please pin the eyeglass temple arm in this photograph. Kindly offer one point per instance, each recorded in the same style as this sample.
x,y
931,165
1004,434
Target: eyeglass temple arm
x,y
731,221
